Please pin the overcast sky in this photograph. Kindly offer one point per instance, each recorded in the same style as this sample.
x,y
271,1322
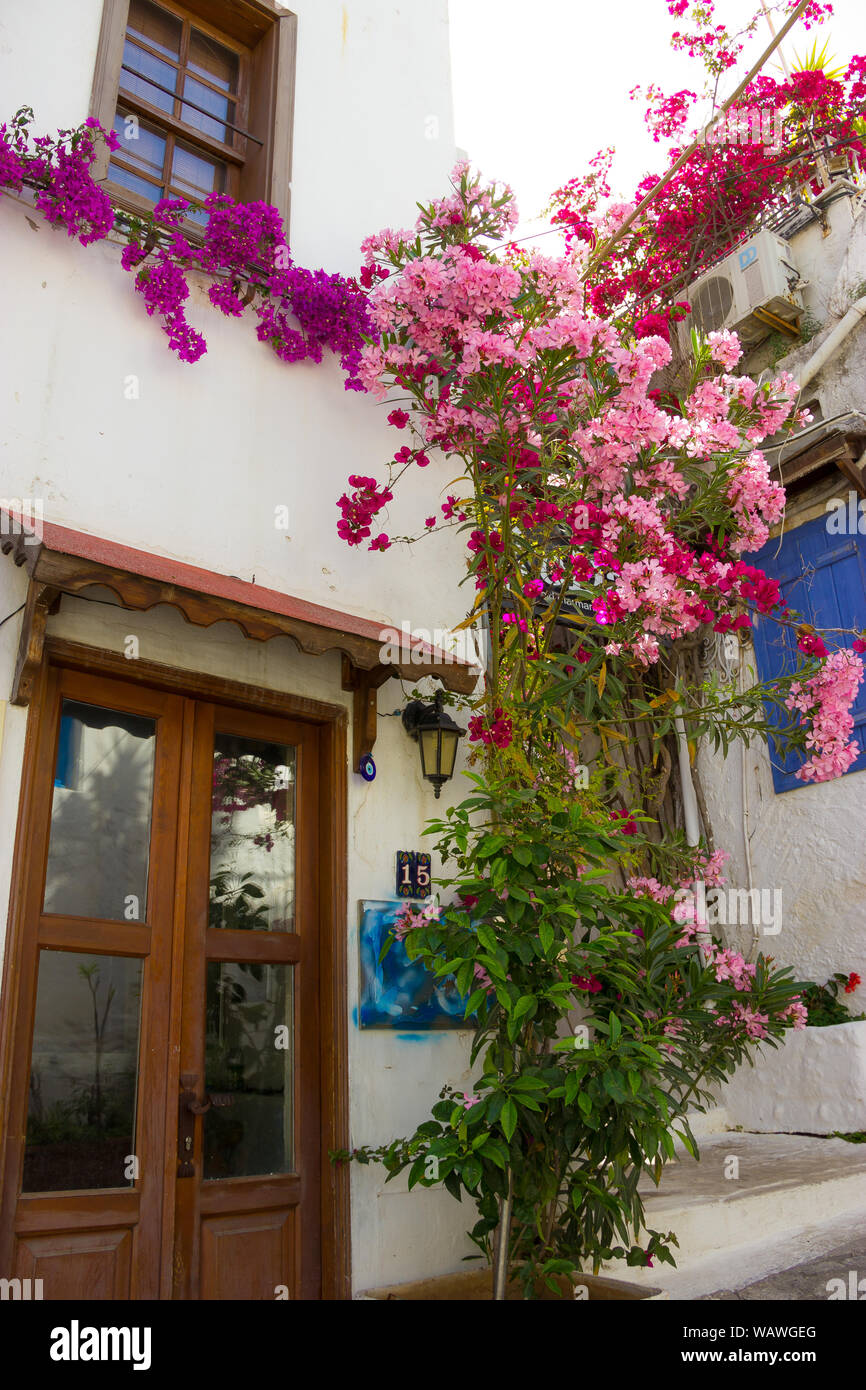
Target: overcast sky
x,y
539,87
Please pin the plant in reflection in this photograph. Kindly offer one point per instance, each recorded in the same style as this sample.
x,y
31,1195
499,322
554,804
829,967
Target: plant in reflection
x,y
243,1056
252,855
248,781
99,1108
239,1047
94,1100
237,903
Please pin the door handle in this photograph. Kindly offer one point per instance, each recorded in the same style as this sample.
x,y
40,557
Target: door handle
x,y
189,1106
189,1099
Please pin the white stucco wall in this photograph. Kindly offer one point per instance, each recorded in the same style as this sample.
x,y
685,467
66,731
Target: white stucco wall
x,y
819,251
194,466
813,1083
807,843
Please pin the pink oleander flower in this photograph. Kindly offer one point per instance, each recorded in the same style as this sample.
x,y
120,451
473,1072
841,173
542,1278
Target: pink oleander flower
x,y
797,1012
825,700
725,349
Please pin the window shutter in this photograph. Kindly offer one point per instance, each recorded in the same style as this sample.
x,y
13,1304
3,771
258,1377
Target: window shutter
x,y
823,576
267,169
106,73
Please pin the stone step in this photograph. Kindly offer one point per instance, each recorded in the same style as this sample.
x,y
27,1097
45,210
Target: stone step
x,y
789,1197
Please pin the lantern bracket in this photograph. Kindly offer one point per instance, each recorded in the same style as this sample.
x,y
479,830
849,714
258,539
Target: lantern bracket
x,y
364,685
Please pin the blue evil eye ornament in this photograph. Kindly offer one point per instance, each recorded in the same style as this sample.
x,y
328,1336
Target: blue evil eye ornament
x,y
367,768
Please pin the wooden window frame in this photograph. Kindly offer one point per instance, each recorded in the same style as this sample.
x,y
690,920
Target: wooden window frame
x,y
232,152
265,35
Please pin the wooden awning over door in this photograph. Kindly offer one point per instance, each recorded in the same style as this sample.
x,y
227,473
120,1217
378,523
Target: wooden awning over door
x,y
59,561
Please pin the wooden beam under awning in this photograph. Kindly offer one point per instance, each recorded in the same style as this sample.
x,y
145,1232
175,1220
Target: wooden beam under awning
x,y
62,561
843,448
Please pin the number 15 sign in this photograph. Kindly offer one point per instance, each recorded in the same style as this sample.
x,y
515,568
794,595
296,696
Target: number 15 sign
x,y
413,874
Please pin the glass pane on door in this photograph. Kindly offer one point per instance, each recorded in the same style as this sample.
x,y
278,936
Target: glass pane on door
x,y
252,863
83,1073
249,1060
100,814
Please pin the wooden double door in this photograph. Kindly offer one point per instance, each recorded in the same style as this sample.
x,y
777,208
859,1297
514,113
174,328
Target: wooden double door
x,y
165,1090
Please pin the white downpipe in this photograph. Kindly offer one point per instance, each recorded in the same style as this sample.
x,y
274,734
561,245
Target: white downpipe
x,y
747,833
831,343
690,800
693,830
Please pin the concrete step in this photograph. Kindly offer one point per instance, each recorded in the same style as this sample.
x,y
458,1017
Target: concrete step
x,y
754,1204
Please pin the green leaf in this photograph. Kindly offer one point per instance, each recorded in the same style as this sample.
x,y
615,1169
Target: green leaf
x,y
472,1172
527,1005
688,1141
475,1000
486,936
494,1106
508,1118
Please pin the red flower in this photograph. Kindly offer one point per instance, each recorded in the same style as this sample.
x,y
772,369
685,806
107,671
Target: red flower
x,y
590,983
498,733
399,419
859,645
811,644
629,826
853,981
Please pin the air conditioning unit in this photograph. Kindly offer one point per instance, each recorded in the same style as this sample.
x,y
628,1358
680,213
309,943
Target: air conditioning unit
x,y
753,291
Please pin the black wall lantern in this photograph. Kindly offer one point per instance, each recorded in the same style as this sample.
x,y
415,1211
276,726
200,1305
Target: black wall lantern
x,y
436,735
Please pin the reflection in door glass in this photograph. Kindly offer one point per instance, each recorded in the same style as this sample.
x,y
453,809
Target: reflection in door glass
x,y
252,864
83,1072
249,1048
100,814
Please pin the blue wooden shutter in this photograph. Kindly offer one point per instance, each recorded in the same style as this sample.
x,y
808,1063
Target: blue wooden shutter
x,y
823,577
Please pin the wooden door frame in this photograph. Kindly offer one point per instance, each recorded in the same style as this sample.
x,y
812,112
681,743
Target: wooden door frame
x,y
332,721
